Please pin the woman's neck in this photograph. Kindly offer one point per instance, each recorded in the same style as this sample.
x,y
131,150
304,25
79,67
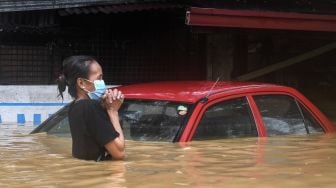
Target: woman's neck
x,y
81,96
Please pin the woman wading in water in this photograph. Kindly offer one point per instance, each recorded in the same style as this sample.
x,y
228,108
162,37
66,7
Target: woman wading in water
x,y
93,116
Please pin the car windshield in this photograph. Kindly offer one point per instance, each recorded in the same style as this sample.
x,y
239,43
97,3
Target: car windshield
x,y
152,120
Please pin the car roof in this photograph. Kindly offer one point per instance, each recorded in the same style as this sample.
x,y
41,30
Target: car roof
x,y
186,91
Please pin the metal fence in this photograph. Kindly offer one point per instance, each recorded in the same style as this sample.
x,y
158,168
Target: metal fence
x,y
24,64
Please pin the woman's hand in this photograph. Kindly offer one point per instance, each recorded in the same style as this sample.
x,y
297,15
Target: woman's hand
x,y
112,100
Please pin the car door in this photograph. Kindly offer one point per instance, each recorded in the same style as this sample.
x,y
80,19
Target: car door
x,y
226,118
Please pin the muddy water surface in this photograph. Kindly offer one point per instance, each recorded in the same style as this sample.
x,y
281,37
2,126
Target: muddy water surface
x,y
45,161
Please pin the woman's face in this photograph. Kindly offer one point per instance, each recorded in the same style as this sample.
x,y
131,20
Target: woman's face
x,y
95,73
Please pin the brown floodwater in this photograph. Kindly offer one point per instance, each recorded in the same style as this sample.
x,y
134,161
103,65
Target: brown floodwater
x,y
289,161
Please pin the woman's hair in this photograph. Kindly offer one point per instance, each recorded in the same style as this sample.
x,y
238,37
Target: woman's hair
x,y
74,67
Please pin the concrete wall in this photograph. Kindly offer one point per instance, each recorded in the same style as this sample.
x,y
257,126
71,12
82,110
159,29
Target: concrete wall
x,y
18,100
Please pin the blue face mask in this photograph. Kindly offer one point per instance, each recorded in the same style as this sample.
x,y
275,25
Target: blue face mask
x,y
99,91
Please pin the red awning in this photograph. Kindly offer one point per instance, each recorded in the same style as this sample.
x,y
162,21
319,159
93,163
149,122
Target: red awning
x,y
259,19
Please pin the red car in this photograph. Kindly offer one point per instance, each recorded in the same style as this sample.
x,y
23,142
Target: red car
x,y
183,111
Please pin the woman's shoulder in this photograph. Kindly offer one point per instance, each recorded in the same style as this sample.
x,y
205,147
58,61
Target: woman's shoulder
x,y
85,104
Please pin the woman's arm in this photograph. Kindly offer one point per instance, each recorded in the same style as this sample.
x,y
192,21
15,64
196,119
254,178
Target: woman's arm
x,y
112,101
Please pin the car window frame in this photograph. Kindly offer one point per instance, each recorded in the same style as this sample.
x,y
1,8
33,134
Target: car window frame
x,y
218,99
292,99
250,111
299,101
185,123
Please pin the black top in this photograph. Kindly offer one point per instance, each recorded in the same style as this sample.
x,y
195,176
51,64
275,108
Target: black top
x,y
91,129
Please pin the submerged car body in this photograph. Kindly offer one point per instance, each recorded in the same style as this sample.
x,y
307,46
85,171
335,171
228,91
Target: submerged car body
x,y
183,111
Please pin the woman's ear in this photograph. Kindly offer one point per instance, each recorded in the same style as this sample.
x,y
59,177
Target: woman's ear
x,y
80,83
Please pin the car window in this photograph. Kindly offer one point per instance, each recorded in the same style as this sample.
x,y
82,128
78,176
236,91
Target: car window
x,y
61,128
152,120
231,118
140,120
57,124
312,125
281,114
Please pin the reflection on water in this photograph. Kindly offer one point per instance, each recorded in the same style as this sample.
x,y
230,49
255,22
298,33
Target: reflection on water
x,y
45,161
